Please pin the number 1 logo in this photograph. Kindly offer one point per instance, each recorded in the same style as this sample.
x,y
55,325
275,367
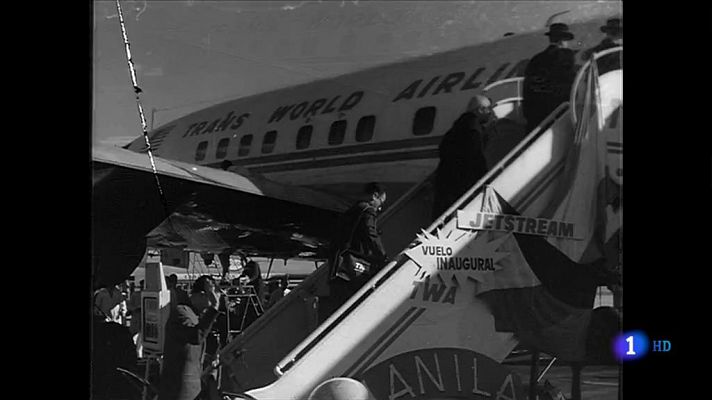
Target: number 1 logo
x,y
631,351
631,345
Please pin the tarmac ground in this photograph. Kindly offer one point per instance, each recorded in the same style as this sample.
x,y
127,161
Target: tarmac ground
x,y
597,382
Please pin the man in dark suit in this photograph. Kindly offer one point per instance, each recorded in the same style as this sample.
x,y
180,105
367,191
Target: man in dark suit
x,y
614,38
462,160
253,273
178,295
358,231
549,76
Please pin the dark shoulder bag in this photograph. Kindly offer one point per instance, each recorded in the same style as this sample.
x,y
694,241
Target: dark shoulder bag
x,y
349,263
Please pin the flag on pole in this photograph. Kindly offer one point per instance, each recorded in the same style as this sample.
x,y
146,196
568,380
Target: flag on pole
x,y
553,312
582,196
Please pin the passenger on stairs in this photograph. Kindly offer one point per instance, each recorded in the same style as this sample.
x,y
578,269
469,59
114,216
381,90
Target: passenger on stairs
x,y
549,76
614,38
357,234
462,160
358,231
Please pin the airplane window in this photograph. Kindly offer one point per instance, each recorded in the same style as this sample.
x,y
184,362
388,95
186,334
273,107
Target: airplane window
x,y
364,129
268,142
304,137
200,151
221,151
337,132
244,148
423,121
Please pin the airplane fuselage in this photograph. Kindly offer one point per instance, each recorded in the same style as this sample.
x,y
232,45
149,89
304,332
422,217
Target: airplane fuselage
x,y
381,124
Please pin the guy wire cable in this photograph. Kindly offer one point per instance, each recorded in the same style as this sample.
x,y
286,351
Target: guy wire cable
x,y
137,90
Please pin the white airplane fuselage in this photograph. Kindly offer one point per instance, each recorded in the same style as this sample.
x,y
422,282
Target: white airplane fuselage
x,y
382,124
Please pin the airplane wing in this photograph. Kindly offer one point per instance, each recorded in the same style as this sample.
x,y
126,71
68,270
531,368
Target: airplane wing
x,y
207,210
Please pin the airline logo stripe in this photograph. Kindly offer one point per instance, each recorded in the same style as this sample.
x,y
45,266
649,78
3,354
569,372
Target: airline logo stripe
x,y
343,161
345,150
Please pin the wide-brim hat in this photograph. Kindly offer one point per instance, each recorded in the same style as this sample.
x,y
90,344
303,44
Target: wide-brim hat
x,y
559,31
613,25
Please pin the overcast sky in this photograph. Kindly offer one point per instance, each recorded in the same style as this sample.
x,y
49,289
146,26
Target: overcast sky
x,y
192,54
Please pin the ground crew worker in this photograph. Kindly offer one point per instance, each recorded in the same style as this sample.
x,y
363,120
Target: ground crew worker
x,y
187,329
549,76
253,273
108,300
178,295
462,160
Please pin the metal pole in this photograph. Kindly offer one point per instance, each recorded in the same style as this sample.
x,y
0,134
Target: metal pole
x,y
270,267
145,378
546,369
532,375
142,117
576,381
620,382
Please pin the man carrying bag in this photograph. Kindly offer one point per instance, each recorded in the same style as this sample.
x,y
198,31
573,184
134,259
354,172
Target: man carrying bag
x,y
358,253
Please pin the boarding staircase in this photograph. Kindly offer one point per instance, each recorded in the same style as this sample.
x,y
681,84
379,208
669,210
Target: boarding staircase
x,y
381,320
251,357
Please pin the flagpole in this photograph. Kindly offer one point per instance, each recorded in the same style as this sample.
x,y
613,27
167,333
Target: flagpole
x,y
533,375
576,368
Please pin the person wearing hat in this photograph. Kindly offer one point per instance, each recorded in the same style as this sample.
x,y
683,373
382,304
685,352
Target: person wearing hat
x,y
462,159
614,38
549,76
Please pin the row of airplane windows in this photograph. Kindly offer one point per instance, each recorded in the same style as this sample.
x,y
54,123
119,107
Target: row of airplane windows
x,y
423,123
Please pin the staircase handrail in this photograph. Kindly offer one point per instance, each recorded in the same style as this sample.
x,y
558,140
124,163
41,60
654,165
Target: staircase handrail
x,y
580,74
332,321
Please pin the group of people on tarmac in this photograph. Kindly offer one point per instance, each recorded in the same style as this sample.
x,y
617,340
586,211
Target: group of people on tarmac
x,y
113,342
191,339
189,343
